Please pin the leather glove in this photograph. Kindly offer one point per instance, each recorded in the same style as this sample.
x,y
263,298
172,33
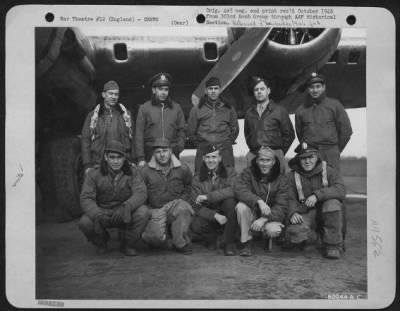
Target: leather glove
x,y
117,215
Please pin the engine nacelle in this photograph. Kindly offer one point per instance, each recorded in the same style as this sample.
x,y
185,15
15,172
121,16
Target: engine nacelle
x,y
297,52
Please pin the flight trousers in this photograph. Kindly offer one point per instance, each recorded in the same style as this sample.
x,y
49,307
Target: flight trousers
x,y
325,220
174,217
206,229
130,233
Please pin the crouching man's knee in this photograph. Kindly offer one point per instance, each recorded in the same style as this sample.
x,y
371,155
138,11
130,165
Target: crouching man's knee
x,y
85,224
242,209
142,213
331,205
299,233
181,207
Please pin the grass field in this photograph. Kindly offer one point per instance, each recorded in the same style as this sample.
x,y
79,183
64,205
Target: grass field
x,y
354,172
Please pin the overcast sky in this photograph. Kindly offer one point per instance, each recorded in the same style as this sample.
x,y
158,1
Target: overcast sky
x,y
357,147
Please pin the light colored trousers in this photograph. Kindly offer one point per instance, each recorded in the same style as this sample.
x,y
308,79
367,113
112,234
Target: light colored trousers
x,y
246,217
177,216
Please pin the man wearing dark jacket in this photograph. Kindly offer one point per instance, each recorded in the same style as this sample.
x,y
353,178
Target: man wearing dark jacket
x,y
109,121
160,117
322,121
267,124
213,121
316,192
262,194
168,184
113,195
213,199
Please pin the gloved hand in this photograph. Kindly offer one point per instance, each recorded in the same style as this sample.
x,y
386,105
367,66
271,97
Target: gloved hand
x,y
117,215
126,214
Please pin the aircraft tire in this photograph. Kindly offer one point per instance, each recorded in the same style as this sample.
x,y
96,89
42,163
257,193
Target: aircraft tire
x,y
61,170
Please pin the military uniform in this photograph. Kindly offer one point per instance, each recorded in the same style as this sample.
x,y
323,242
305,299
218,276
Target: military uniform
x,y
323,122
159,119
103,125
168,196
326,216
213,123
218,187
113,199
270,127
252,186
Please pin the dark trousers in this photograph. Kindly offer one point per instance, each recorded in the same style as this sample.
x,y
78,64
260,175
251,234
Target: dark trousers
x,y
206,229
225,150
330,154
328,221
130,232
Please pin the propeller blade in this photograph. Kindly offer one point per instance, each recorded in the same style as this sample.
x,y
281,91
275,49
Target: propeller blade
x,y
234,60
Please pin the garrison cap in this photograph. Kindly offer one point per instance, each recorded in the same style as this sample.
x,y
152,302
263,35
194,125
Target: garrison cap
x,y
315,78
213,81
305,149
255,80
110,85
209,148
116,146
265,151
160,79
161,143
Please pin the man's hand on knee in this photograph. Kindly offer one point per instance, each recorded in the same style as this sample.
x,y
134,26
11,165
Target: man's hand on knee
x,y
258,224
117,215
264,208
311,201
296,219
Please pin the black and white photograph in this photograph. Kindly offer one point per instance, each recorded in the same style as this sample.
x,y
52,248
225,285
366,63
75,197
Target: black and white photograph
x,y
198,162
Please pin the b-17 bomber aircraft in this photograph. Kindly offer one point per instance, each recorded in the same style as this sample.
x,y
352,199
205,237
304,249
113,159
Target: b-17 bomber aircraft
x,y
73,64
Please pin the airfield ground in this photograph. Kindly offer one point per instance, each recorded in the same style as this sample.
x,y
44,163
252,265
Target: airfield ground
x,y
68,268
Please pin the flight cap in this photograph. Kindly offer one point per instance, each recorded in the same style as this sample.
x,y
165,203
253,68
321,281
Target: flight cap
x,y
160,79
110,85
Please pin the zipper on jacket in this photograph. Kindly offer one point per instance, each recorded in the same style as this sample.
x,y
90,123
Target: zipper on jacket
x,y
215,116
162,120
